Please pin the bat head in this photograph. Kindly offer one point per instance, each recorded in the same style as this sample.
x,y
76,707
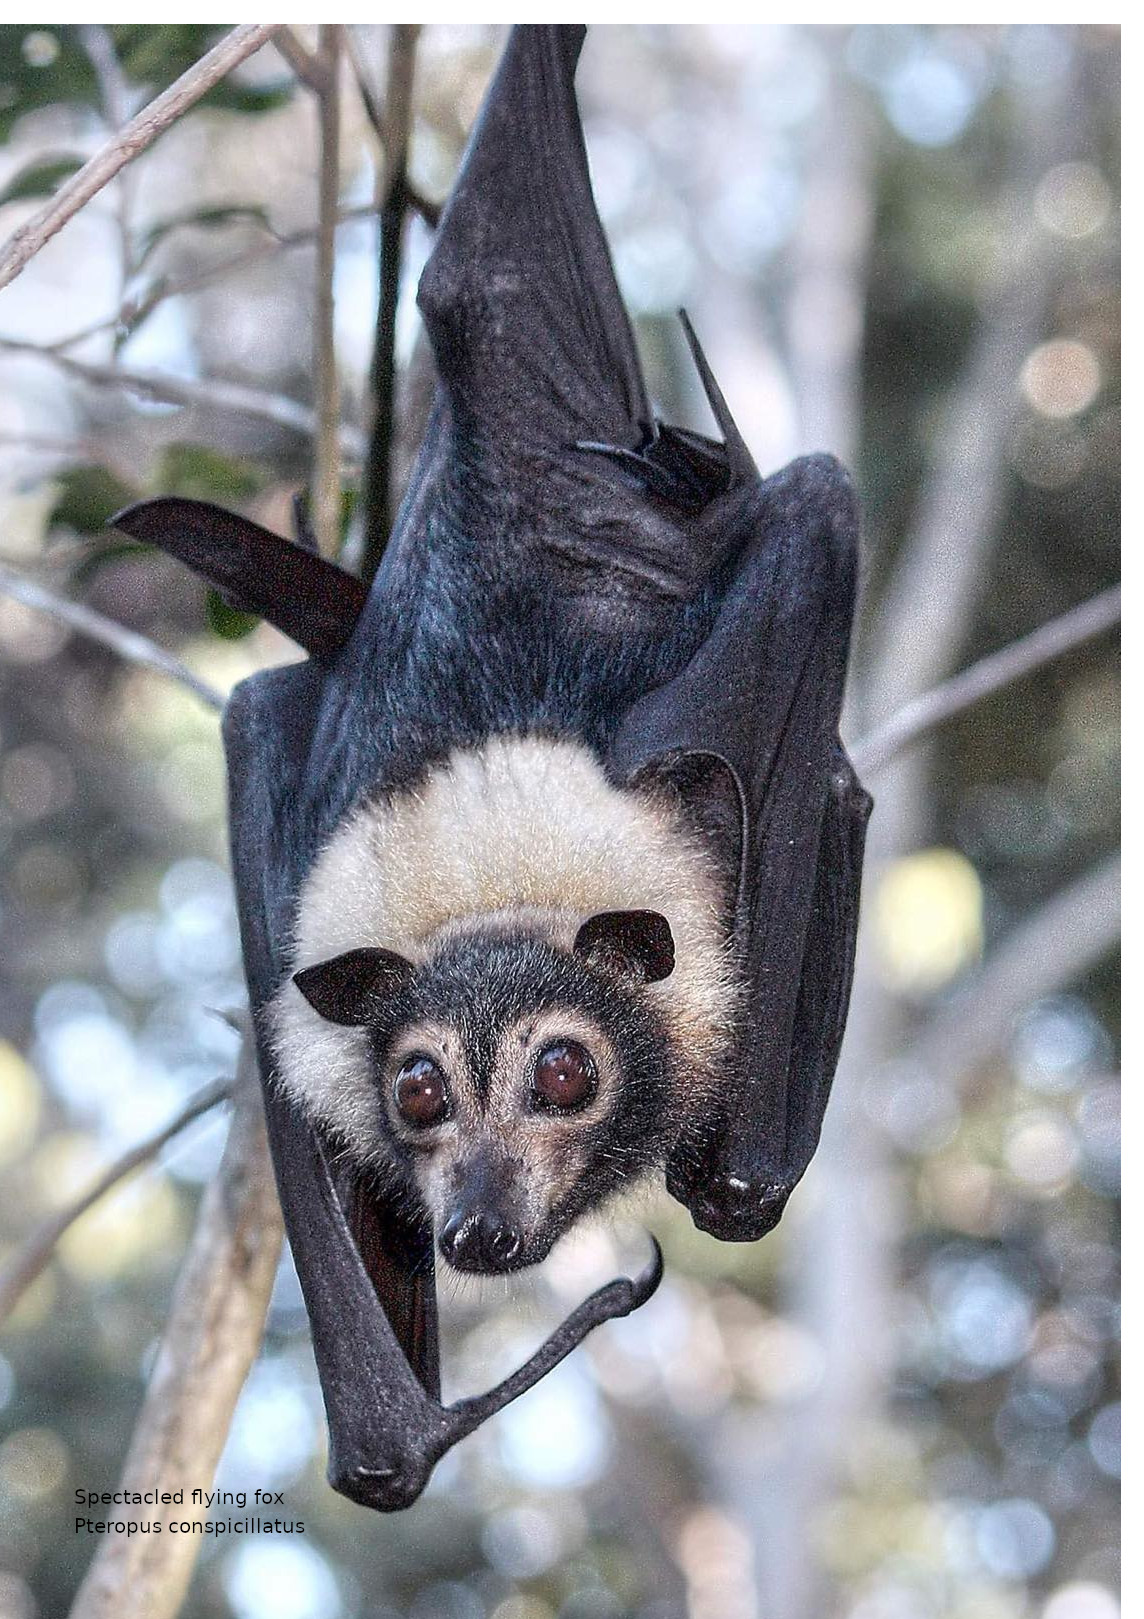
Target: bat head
x,y
518,1082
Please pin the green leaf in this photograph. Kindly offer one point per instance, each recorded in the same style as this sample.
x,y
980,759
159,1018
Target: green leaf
x,y
199,473
248,99
39,179
42,66
88,496
205,219
231,623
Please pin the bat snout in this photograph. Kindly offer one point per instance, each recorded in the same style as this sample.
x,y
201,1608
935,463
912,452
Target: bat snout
x,y
482,1240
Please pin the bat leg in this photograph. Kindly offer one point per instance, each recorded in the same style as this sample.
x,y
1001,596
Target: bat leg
x,y
618,1298
390,1471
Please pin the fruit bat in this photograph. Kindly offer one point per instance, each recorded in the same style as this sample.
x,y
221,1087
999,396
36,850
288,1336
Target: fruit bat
x,y
548,855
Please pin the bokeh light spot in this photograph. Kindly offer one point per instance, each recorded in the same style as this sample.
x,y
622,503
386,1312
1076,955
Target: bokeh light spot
x,y
1073,200
1081,1600
1015,1538
33,1463
276,1579
928,919
19,1103
929,100
1061,377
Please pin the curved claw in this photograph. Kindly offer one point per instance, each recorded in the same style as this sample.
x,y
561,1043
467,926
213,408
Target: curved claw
x,y
615,1299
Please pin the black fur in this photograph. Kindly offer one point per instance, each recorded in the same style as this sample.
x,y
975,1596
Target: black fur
x,y
563,565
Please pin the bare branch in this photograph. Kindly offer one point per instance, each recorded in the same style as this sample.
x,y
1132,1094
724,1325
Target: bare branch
x,y
115,94
988,675
923,619
127,644
374,110
135,137
207,1348
304,63
326,486
393,202
211,395
134,310
71,449
26,1264
828,267
1070,933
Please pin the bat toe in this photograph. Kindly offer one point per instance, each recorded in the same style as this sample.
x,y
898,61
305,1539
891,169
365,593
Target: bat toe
x,y
389,1488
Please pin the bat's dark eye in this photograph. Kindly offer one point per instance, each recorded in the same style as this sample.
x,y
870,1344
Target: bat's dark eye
x,y
564,1077
420,1092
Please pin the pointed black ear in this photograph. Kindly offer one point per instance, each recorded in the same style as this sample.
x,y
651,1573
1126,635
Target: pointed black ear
x,y
636,942
347,988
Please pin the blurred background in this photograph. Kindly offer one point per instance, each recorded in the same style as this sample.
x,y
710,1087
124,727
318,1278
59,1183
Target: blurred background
x,y
897,243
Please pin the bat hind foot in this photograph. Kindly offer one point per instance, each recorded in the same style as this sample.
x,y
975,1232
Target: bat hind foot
x,y
733,1207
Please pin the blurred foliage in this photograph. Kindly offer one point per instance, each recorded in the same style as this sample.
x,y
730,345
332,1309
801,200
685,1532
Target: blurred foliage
x,y
984,1484
49,68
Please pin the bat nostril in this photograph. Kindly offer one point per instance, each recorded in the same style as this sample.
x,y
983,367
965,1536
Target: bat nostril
x,y
502,1243
480,1242
456,1234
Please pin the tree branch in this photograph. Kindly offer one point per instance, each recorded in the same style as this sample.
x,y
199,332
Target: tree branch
x,y
306,65
824,314
133,138
134,310
924,616
988,675
210,1341
211,395
393,202
127,644
115,94
18,1274
326,485
1066,936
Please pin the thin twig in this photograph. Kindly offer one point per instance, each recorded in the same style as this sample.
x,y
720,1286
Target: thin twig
x,y
929,601
829,259
134,310
1045,953
126,643
206,1351
115,94
74,449
392,206
214,394
135,137
306,65
988,675
29,1261
374,111
326,485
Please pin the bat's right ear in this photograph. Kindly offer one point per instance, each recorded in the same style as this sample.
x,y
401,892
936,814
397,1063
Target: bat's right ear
x,y
347,988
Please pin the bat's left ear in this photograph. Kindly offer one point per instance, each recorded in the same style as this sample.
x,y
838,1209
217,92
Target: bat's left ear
x,y
635,942
347,988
